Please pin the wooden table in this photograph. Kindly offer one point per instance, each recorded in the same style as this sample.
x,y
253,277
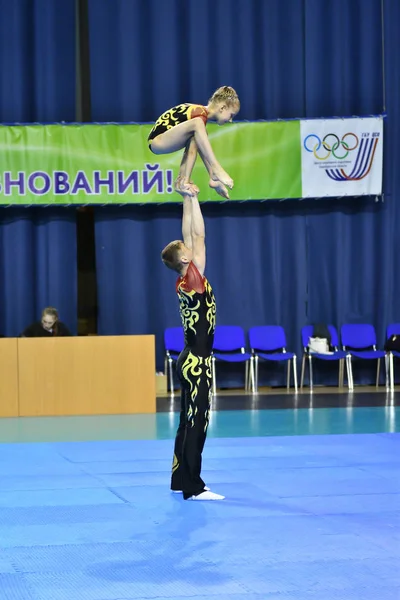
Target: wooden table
x,y
77,375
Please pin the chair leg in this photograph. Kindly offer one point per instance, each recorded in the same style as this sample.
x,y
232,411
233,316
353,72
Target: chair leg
x,y
288,374
295,373
349,369
351,372
387,382
310,372
255,374
378,371
253,389
391,370
249,383
171,377
214,377
341,372
303,364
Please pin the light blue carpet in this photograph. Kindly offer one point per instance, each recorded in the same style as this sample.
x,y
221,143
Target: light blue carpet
x,y
307,517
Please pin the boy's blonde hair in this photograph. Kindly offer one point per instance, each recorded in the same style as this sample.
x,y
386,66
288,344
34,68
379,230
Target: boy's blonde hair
x,y
171,256
225,94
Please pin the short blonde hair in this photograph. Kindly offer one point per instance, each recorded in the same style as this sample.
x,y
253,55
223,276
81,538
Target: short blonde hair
x,y
52,312
171,256
225,94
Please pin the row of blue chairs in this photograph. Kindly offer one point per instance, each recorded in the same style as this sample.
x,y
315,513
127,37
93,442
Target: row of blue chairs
x,y
268,343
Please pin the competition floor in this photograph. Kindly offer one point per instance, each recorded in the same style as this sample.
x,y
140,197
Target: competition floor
x,y
312,507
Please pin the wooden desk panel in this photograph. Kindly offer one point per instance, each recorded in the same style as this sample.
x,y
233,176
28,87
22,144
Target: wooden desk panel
x,y
87,375
8,377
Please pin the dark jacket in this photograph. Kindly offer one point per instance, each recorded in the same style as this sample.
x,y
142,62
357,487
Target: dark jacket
x,y
37,330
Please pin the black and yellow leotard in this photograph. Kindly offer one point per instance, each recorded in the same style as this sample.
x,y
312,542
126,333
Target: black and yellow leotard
x,y
175,116
198,311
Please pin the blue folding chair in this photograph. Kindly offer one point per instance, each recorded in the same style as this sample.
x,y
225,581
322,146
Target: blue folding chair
x,y
229,346
336,355
174,342
359,340
268,342
393,329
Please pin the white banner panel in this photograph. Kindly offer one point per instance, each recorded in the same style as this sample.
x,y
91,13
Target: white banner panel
x,y
341,157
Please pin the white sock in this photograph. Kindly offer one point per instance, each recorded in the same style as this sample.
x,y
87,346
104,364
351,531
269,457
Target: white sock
x,y
207,496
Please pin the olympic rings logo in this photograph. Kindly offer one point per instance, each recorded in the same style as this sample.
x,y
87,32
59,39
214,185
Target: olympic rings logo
x,y
331,148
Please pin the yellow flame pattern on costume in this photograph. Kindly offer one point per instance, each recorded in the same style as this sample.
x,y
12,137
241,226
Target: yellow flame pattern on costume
x,y
173,116
211,314
175,463
189,309
192,370
198,313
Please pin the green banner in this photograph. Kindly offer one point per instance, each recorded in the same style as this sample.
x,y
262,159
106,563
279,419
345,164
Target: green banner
x,y
112,164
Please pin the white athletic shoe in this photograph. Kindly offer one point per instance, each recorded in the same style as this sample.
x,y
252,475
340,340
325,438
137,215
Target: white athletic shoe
x,y
207,496
207,489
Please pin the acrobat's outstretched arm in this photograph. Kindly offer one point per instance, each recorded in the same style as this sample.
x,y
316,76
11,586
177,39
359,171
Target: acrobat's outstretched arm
x,y
198,235
187,221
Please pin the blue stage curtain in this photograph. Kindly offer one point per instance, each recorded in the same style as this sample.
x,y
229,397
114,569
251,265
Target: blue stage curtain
x,y
331,260
37,266
343,58
148,56
37,60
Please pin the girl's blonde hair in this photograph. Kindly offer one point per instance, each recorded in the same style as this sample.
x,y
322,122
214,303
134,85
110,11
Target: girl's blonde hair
x,y
225,94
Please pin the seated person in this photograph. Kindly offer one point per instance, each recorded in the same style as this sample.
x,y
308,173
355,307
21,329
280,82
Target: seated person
x,y
48,326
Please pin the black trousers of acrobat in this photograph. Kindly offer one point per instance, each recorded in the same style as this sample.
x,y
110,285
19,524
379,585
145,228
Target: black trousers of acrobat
x,y
195,376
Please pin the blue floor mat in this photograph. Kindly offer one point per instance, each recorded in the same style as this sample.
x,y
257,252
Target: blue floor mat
x,y
305,518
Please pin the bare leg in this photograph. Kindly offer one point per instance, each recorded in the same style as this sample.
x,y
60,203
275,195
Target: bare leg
x,y
176,138
183,184
216,185
219,188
